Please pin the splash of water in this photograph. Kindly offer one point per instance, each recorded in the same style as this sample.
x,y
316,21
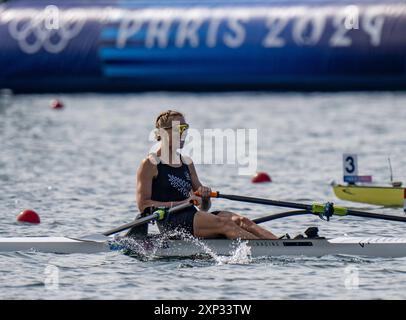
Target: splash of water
x,y
143,250
147,249
241,254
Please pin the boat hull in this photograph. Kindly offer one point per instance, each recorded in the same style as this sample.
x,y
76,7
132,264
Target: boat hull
x,y
370,247
380,196
52,245
384,247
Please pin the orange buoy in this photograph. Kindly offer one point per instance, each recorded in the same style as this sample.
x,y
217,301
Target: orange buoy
x,y
56,104
261,177
29,216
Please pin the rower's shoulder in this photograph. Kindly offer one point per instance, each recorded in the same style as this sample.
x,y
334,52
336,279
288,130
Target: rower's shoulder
x,y
149,163
152,159
187,160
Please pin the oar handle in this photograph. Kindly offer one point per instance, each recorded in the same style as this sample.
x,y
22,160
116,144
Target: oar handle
x,y
213,194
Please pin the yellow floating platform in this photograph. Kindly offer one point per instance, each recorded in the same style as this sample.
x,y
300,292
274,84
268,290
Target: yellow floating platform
x,y
380,196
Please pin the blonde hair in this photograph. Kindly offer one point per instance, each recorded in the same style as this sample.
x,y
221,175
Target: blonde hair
x,y
164,120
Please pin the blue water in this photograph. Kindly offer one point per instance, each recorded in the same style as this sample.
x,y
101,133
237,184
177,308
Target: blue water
x,y
76,167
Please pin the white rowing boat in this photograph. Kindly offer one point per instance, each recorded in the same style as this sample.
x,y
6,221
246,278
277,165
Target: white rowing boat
x,y
370,247
156,246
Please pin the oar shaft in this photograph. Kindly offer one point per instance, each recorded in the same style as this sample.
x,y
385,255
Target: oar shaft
x,y
375,216
144,220
350,213
280,215
264,201
129,225
312,209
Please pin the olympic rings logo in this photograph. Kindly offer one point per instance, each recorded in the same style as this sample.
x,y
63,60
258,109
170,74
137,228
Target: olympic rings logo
x,y
48,29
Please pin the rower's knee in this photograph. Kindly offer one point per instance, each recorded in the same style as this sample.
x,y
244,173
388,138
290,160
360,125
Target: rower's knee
x,y
225,214
245,221
231,216
236,218
228,228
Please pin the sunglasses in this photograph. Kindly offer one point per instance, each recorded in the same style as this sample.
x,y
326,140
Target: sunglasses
x,y
180,127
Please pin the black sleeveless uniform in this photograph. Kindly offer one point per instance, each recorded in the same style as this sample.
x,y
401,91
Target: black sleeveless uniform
x,y
170,185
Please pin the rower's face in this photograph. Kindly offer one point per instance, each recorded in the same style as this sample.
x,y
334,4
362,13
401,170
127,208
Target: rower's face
x,y
177,131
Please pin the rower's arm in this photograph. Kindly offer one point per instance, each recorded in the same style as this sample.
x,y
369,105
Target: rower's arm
x,y
196,184
145,174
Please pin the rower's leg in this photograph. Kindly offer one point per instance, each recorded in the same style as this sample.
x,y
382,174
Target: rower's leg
x,y
207,225
248,225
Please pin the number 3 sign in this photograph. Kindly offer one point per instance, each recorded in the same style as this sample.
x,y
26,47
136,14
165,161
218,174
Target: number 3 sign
x,y
350,164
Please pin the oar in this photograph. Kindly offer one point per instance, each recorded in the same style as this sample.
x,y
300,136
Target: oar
x,y
158,214
279,216
323,210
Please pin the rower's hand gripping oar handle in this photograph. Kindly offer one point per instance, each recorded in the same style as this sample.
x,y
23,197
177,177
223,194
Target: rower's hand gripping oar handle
x,y
213,194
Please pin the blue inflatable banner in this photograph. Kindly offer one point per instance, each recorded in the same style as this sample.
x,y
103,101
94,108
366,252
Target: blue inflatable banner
x,y
110,46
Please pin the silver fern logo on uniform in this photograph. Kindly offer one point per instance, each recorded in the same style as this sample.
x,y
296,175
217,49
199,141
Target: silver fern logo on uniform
x,y
180,185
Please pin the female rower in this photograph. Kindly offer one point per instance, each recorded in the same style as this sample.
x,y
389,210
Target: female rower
x,y
167,179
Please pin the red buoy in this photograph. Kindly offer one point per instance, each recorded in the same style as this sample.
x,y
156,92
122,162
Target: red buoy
x,y
56,104
28,216
261,177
